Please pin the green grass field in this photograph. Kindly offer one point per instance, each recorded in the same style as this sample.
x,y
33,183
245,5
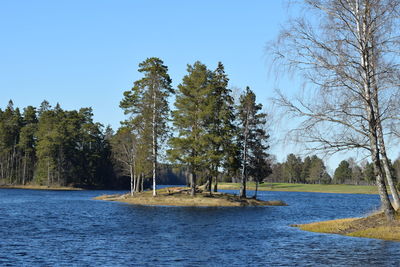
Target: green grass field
x,y
320,188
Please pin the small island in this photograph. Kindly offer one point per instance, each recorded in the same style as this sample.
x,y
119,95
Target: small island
x,y
374,226
180,196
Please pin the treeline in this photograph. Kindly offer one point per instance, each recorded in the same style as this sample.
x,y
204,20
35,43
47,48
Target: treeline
x,y
52,146
312,170
207,136
349,172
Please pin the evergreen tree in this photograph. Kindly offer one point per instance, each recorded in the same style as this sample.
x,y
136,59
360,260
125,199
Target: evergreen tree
x,y
292,168
368,173
356,171
53,146
147,102
305,172
27,143
220,128
253,139
318,172
10,126
192,111
342,172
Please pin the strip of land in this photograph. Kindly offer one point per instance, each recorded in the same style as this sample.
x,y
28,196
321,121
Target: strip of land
x,y
286,187
40,187
374,226
179,196
317,188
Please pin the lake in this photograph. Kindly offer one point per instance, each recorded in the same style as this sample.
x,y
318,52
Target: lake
x,y
68,228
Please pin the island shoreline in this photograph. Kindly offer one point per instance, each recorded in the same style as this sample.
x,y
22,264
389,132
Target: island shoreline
x,y
178,197
374,226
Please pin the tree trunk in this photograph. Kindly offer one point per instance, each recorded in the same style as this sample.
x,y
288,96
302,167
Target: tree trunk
x,y
246,131
154,144
209,184
363,32
192,176
389,176
137,182
255,193
381,139
48,173
216,179
142,184
385,201
132,179
24,169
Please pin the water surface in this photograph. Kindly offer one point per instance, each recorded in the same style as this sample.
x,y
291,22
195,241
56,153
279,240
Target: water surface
x,y
68,228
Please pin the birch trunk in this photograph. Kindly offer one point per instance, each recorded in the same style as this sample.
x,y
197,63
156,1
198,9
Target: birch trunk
x,y
132,180
381,139
389,176
154,144
363,32
246,132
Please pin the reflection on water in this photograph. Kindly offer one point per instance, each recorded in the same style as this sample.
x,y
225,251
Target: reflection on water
x,y
39,228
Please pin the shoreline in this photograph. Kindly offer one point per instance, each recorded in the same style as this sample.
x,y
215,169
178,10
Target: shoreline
x,y
41,187
374,226
310,188
269,187
178,197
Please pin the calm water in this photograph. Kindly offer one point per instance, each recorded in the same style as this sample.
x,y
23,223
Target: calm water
x,y
50,228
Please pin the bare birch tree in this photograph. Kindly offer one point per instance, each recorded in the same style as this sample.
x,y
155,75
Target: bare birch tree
x,y
124,147
345,54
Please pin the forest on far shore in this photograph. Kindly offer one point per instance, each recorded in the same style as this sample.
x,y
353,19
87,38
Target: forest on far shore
x,y
51,146
56,147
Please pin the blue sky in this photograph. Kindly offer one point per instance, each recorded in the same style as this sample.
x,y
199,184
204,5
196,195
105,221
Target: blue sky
x,y
86,53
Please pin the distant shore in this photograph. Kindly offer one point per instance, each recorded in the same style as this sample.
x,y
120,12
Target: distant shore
x,y
40,187
374,226
314,188
282,187
178,196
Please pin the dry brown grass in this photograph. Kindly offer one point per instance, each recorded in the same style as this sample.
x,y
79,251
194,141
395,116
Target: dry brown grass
x,y
373,226
181,197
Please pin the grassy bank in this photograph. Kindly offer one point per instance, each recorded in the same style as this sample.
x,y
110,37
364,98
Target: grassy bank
x,y
40,187
374,226
318,188
179,196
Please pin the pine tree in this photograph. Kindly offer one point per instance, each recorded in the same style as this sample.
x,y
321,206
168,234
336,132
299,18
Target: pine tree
x,y
368,173
27,142
259,167
305,172
318,172
147,102
252,137
192,110
342,172
292,168
219,126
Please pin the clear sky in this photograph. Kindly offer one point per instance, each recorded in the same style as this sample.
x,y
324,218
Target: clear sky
x,y
86,53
